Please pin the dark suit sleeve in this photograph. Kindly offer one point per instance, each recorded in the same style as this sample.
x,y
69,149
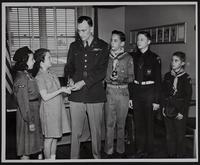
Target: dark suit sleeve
x,y
99,73
165,88
21,94
130,84
69,68
188,90
157,80
130,89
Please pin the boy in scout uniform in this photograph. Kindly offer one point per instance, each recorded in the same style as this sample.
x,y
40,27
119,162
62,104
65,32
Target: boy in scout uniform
x,y
177,92
119,74
85,70
145,93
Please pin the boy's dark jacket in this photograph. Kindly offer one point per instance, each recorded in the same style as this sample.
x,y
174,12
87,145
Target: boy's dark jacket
x,y
182,96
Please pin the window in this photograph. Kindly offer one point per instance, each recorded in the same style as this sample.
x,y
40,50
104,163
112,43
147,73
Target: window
x,y
48,27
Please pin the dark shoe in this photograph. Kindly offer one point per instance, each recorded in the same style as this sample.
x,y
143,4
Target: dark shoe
x,y
120,155
131,156
108,156
172,156
142,155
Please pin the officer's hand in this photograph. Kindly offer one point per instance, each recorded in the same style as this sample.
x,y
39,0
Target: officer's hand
x,y
77,86
155,106
32,127
70,82
130,103
113,78
66,90
179,116
163,112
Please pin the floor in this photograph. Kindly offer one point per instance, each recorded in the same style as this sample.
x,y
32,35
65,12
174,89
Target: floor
x,y
63,151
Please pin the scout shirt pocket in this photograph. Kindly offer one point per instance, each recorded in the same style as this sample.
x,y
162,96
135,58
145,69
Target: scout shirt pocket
x,y
122,72
148,71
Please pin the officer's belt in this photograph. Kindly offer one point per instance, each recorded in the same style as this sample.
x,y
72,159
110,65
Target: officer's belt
x,y
144,82
32,100
117,86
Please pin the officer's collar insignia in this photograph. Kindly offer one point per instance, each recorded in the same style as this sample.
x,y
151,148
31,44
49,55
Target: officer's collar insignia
x,y
96,49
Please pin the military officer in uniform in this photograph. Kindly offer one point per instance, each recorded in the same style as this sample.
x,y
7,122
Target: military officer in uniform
x,y
85,70
145,93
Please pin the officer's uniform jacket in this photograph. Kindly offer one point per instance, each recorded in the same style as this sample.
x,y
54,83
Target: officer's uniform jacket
x,y
147,68
89,65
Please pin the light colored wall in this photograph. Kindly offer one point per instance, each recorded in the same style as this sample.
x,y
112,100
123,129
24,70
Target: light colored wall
x,y
110,19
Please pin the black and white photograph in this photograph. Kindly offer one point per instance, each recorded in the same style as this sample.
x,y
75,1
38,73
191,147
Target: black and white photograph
x,y
97,82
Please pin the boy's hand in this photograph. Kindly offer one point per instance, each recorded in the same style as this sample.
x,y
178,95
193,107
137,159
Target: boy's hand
x,y
130,103
113,78
155,106
32,127
163,112
179,116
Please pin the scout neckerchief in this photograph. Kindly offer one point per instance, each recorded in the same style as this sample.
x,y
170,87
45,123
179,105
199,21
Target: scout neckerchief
x,y
115,56
176,75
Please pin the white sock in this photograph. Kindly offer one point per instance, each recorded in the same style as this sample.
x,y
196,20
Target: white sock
x,y
53,157
40,156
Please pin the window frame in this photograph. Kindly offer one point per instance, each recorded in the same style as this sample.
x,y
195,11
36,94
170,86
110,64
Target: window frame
x,y
43,42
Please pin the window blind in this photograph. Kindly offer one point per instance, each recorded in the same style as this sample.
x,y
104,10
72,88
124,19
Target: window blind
x,y
48,27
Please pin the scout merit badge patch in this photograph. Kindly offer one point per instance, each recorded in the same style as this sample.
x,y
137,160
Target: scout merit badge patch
x,y
148,71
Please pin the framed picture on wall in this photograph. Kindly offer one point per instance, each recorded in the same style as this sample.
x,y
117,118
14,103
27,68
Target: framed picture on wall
x,y
166,34
133,37
153,35
173,33
160,35
181,36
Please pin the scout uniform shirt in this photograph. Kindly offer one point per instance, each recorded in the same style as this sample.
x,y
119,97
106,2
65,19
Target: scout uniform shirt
x,y
179,86
147,68
124,69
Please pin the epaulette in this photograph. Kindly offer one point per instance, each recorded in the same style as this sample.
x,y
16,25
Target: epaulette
x,y
158,59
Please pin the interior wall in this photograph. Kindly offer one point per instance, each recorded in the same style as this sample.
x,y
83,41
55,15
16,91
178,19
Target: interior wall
x,y
154,15
110,19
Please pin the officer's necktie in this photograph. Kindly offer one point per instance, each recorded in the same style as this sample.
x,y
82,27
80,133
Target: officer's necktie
x,y
86,45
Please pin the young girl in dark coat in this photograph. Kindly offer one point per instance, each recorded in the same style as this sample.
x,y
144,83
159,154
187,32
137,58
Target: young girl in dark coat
x,y
28,126
177,91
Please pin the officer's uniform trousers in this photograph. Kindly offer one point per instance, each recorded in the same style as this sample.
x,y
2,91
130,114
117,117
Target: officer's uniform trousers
x,y
78,113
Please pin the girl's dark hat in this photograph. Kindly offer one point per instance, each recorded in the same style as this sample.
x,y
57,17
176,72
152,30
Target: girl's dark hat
x,y
22,54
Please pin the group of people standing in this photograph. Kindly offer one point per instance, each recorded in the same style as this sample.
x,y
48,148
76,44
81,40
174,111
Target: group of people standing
x,y
101,80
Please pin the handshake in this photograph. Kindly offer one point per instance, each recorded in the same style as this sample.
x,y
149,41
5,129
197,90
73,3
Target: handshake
x,y
73,86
